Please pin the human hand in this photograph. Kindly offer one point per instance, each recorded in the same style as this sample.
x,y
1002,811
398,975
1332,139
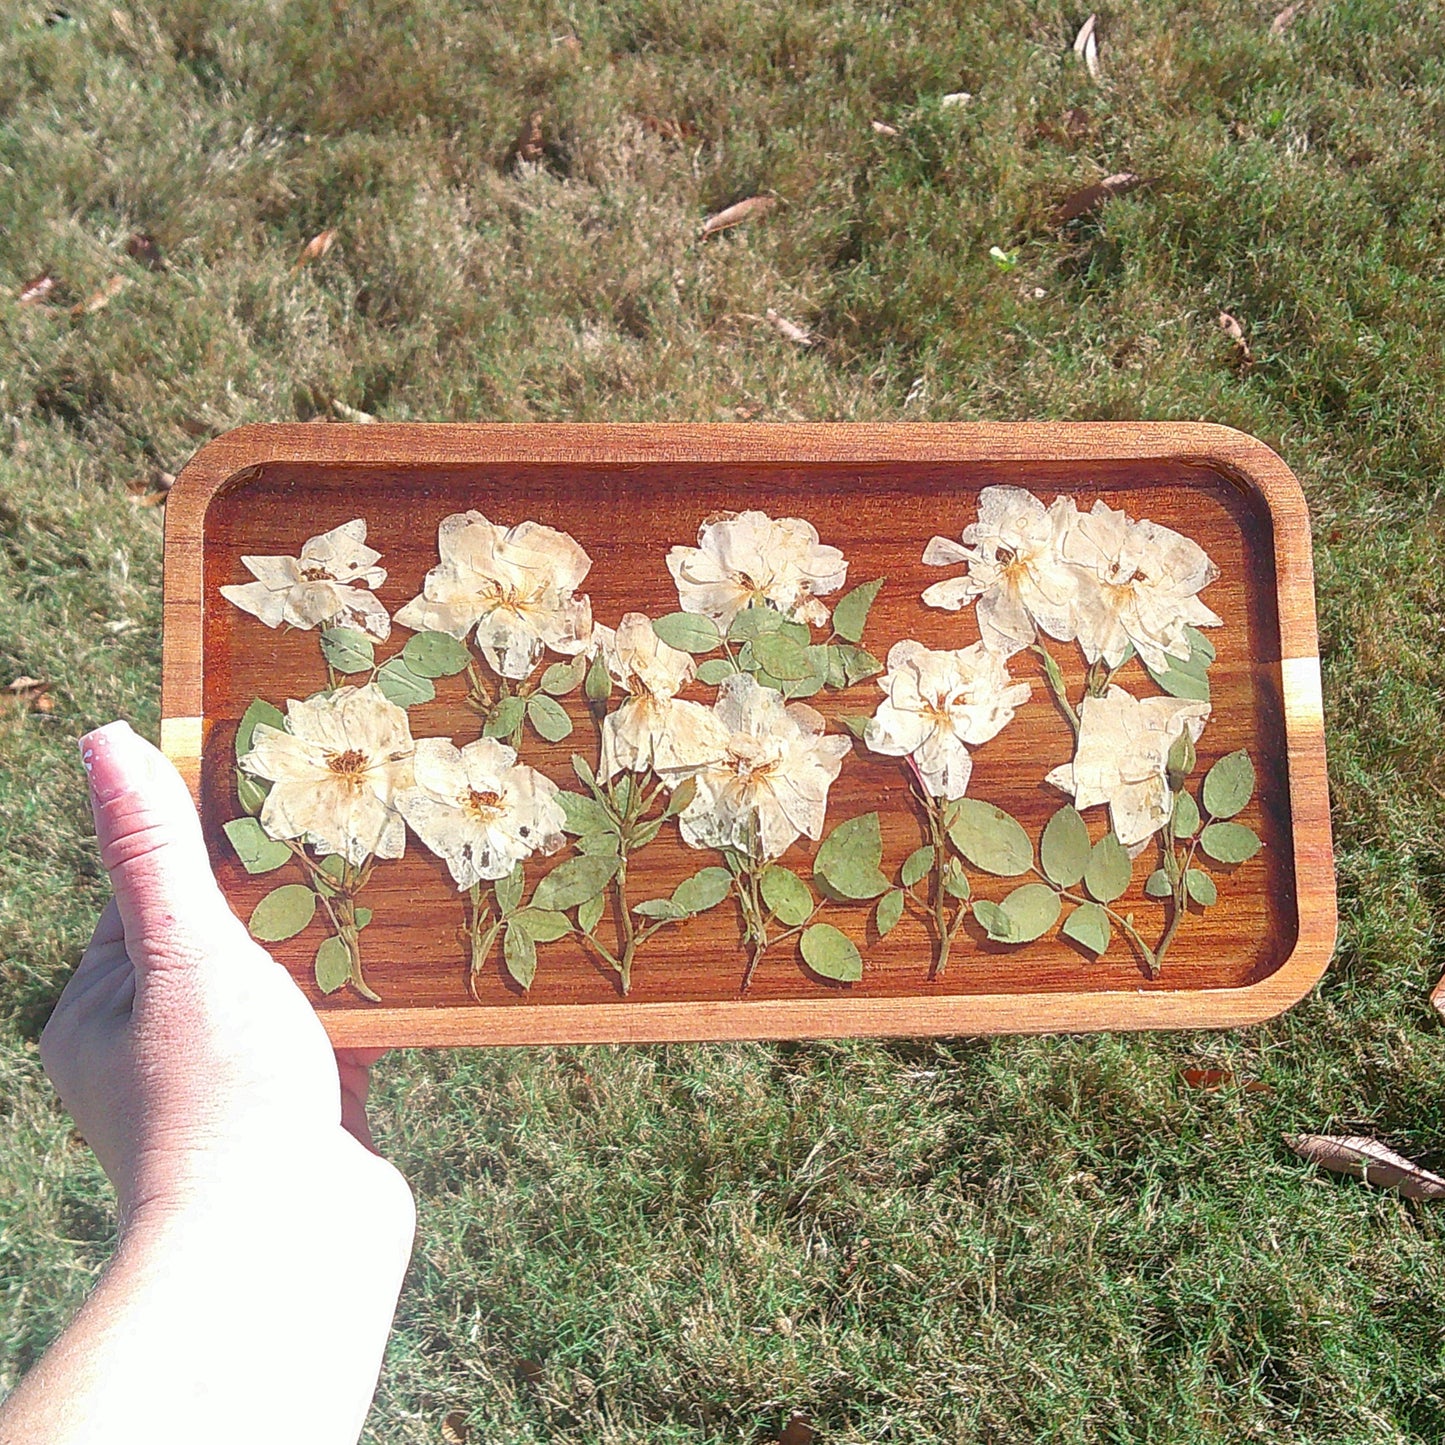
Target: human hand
x,y
190,1061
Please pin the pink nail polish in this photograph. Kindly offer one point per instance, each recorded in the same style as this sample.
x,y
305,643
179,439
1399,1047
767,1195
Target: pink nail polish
x,y
94,747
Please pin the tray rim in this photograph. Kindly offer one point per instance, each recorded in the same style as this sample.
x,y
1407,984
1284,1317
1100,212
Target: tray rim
x,y
1241,459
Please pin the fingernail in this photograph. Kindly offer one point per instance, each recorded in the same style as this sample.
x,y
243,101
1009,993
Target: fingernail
x,y
96,745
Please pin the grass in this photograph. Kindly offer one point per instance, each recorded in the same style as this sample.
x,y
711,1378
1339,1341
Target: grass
x,y
954,1241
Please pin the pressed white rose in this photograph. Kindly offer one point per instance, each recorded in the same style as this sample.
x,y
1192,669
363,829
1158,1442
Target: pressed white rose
x,y
1138,585
479,809
326,586
770,781
1122,755
335,772
936,704
516,586
1016,572
652,728
748,559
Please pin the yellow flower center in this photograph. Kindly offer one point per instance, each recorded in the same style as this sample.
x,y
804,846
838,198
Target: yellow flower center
x,y
938,714
351,765
483,806
316,574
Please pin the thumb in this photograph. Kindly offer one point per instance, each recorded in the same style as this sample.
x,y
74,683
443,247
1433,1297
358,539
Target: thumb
x,y
151,845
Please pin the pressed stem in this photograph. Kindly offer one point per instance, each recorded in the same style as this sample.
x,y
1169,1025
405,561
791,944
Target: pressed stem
x,y
940,908
1179,899
757,929
345,914
1054,673
629,929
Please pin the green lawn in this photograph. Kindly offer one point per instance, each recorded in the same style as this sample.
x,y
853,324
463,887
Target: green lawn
x,y
1051,1239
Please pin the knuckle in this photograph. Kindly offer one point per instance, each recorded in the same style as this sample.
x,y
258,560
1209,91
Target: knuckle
x,y
134,834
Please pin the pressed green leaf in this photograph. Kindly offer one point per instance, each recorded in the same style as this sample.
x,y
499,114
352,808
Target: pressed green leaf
x,y
563,677
789,898
1064,847
1200,887
781,657
348,650
582,814
607,842
753,622
403,686
363,917
837,676
333,867
575,880
995,922
251,792
584,772
1157,884
810,685
989,838
850,616
333,965
858,726
549,717
918,865
681,798
1032,909
509,890
1186,815
1229,785
282,913
506,717
589,914
715,670
705,889
1230,842
1181,684
624,793
688,631
831,953
1200,645
519,953
598,684
857,663
888,912
259,711
1179,762
848,860
799,632
643,833
257,850
659,908
543,924
955,880
1088,925
1110,869
435,654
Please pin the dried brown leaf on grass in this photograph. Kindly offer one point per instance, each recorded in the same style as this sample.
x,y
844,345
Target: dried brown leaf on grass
x,y
1368,1160
1286,18
144,249
798,1431
316,247
789,330
36,289
454,1428
745,210
99,300
1232,328
1437,997
1086,46
1203,1078
1090,198
531,142
151,491
29,694
351,413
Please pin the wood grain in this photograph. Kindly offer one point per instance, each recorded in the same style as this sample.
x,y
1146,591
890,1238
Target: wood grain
x,y
878,492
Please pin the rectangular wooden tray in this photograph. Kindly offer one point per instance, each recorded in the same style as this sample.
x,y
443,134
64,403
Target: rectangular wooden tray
x,y
628,493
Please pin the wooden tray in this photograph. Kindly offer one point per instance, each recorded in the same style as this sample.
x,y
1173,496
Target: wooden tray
x,y
629,492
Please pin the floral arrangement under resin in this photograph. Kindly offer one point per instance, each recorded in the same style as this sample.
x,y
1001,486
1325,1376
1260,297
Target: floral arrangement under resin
x,y
698,725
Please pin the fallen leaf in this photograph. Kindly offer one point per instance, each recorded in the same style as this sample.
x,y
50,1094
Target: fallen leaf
x,y
36,289
1230,326
1092,197
1222,1078
99,300
531,142
193,426
1438,997
1370,1161
788,330
316,247
1076,122
881,127
350,413
1086,45
151,491
144,248
29,694
530,1372
1286,17
739,211
454,1427
798,1431
957,98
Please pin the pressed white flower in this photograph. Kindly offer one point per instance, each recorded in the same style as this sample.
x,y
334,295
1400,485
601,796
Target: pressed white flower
x,y
479,809
1122,757
936,704
748,559
1016,571
336,771
652,728
1138,584
516,586
770,781
326,586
